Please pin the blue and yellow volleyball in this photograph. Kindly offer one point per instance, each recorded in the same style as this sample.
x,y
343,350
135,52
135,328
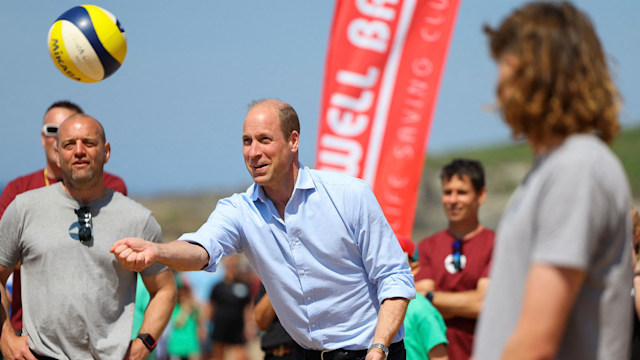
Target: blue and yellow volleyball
x,y
87,43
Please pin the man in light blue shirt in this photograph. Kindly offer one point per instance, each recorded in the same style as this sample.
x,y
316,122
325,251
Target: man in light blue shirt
x,y
335,273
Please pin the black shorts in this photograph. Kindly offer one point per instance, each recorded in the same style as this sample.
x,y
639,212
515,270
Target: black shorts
x,y
229,332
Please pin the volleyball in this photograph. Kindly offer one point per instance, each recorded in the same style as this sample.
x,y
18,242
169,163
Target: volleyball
x,y
87,43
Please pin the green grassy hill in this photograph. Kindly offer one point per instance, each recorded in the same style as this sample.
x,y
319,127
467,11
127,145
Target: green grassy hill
x,y
505,167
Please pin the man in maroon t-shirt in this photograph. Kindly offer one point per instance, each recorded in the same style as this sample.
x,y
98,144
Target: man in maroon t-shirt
x,y
455,262
51,174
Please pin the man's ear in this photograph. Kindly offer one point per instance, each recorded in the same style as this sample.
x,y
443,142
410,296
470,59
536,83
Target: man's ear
x,y
107,152
482,196
294,140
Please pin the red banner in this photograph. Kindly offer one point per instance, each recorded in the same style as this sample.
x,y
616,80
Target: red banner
x,y
384,66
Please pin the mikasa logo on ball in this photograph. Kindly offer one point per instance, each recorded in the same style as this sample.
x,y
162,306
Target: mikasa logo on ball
x,y
87,43
57,56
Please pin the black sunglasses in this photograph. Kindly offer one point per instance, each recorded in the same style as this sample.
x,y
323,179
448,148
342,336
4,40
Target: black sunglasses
x,y
456,247
84,219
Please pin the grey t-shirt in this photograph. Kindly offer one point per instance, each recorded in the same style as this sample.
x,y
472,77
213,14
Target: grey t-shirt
x,y
78,301
573,210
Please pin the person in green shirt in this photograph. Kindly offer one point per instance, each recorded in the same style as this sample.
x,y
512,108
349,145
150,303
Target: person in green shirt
x,y
424,328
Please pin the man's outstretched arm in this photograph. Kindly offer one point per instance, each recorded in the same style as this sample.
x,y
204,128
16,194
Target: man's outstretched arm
x,y
136,254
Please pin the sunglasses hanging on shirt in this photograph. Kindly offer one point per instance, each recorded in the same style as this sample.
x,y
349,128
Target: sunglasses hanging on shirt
x,y
84,220
456,254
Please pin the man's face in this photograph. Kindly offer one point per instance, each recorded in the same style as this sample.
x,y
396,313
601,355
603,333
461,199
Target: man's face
x,y
460,200
54,116
268,155
81,151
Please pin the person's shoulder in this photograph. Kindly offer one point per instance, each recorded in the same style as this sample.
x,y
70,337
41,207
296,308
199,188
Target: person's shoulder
x,y
122,201
422,307
115,182
332,178
487,233
239,198
34,196
583,156
433,240
27,181
581,151
237,204
442,234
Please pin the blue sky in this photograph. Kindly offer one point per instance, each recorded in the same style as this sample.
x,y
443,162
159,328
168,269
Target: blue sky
x,y
173,112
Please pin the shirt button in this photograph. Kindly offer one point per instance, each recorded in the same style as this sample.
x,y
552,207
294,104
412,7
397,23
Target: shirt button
x,y
309,298
294,243
313,325
301,272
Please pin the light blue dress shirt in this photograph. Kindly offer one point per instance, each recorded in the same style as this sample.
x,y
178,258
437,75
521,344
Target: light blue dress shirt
x,y
327,266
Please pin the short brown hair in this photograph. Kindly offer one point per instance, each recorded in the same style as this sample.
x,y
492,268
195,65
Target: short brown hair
x,y
288,117
561,84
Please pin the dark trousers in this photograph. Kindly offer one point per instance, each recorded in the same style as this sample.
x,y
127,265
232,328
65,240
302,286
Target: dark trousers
x,y
396,352
273,357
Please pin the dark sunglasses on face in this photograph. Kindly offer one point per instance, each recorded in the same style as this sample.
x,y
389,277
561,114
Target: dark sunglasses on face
x,y
456,249
84,219
50,129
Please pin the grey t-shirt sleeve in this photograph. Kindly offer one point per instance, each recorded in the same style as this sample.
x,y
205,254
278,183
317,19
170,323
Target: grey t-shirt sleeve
x,y
152,232
569,217
10,227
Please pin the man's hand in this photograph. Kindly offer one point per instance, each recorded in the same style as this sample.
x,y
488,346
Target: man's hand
x,y
15,347
136,350
375,354
135,254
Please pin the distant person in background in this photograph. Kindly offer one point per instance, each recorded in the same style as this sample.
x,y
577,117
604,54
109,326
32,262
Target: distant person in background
x,y
425,330
79,301
230,303
202,283
51,174
184,328
562,269
274,340
454,263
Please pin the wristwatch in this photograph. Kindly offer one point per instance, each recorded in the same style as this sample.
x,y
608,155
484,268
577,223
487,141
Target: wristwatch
x,y
384,349
148,341
429,296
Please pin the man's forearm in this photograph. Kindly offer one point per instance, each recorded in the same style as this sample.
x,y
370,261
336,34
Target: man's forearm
x,y
182,256
163,292
161,305
390,319
464,304
4,312
263,313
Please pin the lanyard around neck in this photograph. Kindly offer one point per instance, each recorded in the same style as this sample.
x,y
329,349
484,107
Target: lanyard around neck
x,y
46,178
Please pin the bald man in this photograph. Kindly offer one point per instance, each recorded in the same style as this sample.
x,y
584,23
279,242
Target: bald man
x,y
78,301
50,174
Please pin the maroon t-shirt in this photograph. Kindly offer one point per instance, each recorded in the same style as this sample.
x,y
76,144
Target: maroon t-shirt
x,y
25,183
435,257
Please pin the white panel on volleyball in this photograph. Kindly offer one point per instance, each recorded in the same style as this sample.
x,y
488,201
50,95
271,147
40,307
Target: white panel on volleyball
x,y
81,52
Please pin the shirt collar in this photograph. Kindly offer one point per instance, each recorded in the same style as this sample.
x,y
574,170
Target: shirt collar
x,y
303,182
